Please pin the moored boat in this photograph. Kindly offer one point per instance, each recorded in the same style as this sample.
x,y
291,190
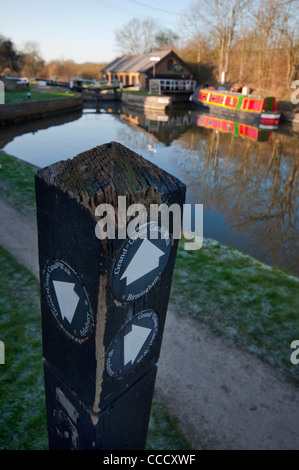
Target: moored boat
x,y
259,110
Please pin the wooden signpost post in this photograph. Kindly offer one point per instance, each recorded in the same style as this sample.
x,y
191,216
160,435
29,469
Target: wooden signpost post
x,y
103,301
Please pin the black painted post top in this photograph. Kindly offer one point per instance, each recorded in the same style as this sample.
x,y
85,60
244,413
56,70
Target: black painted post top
x,y
104,301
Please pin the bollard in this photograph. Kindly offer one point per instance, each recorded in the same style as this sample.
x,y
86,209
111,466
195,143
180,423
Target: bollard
x,y
103,301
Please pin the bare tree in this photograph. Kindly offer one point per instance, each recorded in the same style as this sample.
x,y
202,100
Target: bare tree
x,y
218,20
274,32
292,41
61,69
32,60
290,37
137,36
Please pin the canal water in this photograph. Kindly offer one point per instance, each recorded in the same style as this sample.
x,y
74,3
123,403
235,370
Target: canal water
x,y
246,180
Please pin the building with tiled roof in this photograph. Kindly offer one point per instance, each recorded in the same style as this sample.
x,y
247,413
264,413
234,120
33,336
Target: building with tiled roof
x,y
139,69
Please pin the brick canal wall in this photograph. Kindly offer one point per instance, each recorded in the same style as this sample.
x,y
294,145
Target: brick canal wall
x,y
15,112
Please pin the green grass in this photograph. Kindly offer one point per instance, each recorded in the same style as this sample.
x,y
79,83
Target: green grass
x,y
20,96
247,302
163,432
17,183
22,396
22,404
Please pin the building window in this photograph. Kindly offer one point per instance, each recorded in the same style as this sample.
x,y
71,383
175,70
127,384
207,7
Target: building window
x,y
127,79
170,65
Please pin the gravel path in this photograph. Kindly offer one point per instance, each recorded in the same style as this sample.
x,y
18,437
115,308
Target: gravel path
x,y
222,397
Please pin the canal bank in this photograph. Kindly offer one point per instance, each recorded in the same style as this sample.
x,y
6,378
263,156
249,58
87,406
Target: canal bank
x,y
38,109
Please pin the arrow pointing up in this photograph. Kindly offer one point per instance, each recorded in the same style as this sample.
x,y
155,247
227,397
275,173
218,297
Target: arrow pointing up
x,y
145,260
134,341
66,298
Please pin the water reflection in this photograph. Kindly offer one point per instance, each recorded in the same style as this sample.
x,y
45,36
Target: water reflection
x,y
248,185
165,127
254,185
240,129
9,133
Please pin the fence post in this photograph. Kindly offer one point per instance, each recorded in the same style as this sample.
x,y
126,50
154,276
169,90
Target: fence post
x,y
103,301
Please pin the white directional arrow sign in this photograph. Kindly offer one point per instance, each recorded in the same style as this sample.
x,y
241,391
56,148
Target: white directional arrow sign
x,y
145,260
67,299
134,341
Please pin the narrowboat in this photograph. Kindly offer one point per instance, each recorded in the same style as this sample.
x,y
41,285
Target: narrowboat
x,y
256,109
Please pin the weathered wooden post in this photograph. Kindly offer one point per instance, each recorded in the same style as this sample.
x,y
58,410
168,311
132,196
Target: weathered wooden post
x,y
103,301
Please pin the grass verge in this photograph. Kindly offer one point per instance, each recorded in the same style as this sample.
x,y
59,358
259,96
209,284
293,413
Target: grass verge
x,y
22,397
20,96
22,419
163,432
247,302
17,183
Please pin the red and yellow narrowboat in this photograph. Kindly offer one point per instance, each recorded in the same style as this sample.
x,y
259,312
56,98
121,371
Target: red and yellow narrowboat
x,y
257,109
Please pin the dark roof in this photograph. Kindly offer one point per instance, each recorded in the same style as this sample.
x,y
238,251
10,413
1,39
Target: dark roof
x,y
135,63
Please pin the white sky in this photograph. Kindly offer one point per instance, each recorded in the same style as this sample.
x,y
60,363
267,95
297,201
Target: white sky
x,y
81,30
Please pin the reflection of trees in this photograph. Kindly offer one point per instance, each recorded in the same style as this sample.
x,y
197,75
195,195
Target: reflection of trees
x,y
214,153
8,133
281,212
253,184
